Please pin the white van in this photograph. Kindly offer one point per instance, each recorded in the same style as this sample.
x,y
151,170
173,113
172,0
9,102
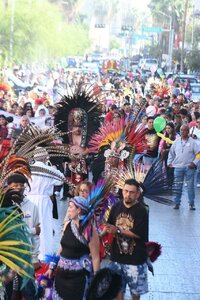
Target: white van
x,y
148,63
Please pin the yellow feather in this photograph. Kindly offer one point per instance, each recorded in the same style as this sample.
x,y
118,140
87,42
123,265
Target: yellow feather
x,y
6,253
14,266
10,229
16,249
13,243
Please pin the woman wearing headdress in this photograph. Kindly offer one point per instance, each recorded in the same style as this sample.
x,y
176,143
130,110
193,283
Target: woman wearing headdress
x,y
79,255
79,252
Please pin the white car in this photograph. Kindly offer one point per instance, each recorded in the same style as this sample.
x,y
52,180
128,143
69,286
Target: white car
x,y
195,89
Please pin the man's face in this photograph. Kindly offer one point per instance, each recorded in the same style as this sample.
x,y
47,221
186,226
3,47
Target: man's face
x,y
127,108
184,131
17,186
24,122
130,194
150,124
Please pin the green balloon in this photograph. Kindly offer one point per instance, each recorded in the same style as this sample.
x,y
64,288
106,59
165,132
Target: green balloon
x,y
159,124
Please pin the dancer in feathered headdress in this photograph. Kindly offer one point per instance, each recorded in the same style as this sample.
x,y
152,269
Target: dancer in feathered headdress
x,y
77,114
154,182
79,253
119,143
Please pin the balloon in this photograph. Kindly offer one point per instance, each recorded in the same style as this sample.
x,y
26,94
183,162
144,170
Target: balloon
x,y
170,81
166,139
159,124
153,69
159,71
151,111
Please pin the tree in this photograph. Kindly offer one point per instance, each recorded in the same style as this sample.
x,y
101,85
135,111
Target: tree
x,y
193,60
40,33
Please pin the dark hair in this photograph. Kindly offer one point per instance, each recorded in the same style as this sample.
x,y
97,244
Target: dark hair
x,y
114,106
170,124
132,182
150,118
17,178
2,116
183,111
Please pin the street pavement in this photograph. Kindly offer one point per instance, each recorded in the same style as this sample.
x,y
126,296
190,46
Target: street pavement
x,y
177,270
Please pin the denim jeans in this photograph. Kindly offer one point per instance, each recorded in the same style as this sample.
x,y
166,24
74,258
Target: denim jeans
x,y
198,173
179,175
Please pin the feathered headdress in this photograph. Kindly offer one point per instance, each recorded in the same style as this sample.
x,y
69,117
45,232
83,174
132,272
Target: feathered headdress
x,y
15,248
94,207
154,182
13,164
119,136
33,140
4,87
81,107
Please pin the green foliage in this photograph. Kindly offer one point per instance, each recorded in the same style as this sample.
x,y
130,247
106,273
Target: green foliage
x,y
154,51
40,33
173,8
115,43
193,60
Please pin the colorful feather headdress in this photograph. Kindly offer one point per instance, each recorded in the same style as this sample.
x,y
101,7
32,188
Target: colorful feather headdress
x,y
119,136
95,206
13,164
15,248
154,182
80,107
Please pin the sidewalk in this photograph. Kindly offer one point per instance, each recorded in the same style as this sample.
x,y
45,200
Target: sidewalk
x,y
177,271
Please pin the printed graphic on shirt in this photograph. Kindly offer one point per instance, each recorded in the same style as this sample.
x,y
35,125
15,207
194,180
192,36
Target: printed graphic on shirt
x,y
126,222
152,140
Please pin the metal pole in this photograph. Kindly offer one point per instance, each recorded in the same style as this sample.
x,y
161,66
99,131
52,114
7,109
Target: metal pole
x,y
183,38
12,29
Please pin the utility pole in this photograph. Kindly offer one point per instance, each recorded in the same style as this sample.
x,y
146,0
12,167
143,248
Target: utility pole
x,y
12,29
183,31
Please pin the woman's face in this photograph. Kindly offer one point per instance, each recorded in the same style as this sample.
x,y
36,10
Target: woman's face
x,y
84,190
144,120
168,129
73,211
2,122
29,113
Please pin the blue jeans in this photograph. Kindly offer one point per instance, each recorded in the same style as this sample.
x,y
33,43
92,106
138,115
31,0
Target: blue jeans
x,y
179,175
198,173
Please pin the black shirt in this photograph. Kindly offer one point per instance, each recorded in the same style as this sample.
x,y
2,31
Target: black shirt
x,y
131,251
153,143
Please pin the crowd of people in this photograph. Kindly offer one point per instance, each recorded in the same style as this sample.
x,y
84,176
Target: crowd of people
x,y
99,150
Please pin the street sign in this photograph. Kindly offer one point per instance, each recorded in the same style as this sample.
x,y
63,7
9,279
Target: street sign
x,y
152,29
140,37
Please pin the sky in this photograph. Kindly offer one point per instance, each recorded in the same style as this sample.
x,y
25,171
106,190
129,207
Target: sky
x,y
141,5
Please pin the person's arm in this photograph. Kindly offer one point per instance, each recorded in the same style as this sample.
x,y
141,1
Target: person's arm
x,y
94,246
114,230
171,156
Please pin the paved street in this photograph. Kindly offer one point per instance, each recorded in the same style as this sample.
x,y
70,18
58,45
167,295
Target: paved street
x,y
177,271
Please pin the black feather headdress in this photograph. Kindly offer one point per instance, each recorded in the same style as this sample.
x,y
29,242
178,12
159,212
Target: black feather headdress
x,y
154,182
82,108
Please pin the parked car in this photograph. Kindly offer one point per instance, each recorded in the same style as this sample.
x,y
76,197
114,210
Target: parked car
x,y
195,89
184,78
